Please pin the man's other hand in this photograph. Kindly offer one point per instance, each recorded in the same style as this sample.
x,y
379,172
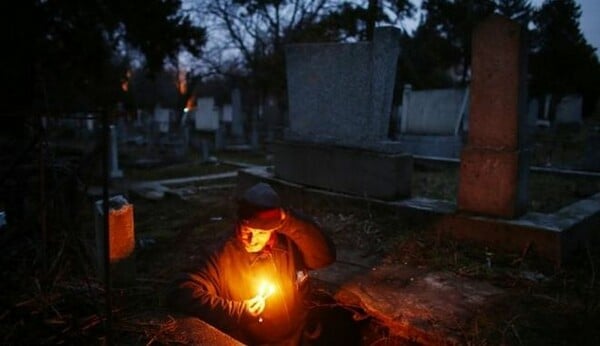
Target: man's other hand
x,y
255,306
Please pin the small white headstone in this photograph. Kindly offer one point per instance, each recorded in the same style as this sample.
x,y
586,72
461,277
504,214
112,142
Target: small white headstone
x,y
161,118
227,113
568,111
206,116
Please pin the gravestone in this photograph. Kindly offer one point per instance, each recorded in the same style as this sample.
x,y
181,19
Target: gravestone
x,y
494,165
206,116
272,118
89,123
237,116
340,104
568,110
342,92
139,121
115,172
121,237
532,113
591,156
432,112
162,119
227,116
432,121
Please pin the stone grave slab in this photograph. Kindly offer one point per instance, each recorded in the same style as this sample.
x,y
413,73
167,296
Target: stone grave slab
x,y
430,308
194,331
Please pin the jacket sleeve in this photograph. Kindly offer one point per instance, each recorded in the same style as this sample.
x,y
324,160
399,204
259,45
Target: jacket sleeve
x,y
197,294
316,248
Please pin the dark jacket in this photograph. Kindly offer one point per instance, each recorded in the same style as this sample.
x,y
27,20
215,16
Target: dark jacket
x,y
216,291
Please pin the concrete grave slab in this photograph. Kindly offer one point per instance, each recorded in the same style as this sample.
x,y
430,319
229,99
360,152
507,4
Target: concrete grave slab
x,y
429,308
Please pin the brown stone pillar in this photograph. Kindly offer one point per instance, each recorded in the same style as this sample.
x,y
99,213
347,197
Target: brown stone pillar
x,y
494,165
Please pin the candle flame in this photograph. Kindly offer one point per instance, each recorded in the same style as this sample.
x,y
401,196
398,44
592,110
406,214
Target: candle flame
x,y
266,289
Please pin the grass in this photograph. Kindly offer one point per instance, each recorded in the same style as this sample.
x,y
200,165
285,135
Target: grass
x,y
561,308
542,305
547,193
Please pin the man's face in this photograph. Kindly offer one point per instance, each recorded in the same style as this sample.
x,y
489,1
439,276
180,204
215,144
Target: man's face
x,y
254,239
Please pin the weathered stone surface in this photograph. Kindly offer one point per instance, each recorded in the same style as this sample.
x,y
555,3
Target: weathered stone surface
x,y
194,331
432,112
349,264
342,91
428,308
349,170
493,182
494,165
498,108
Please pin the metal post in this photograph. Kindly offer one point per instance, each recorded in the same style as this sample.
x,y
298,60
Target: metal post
x,y
105,208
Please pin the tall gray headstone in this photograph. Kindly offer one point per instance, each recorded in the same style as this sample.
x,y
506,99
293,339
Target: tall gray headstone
x,y
342,92
226,116
206,116
162,119
340,108
115,172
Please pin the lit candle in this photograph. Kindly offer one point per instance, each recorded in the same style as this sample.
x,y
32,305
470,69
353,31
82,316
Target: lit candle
x,y
266,289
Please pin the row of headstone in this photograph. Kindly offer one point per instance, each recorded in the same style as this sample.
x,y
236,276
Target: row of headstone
x,y
433,112
568,111
342,94
340,100
444,112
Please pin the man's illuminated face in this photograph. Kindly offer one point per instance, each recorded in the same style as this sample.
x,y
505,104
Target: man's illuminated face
x,y
254,239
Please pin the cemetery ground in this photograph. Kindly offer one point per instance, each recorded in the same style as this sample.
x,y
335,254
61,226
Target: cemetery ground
x,y
60,300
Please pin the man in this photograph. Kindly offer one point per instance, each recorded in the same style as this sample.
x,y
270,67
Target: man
x,y
254,286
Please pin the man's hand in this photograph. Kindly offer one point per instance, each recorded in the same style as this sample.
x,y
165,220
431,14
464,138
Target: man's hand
x,y
283,214
255,306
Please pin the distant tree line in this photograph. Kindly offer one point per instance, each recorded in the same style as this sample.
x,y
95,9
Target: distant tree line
x,y
84,49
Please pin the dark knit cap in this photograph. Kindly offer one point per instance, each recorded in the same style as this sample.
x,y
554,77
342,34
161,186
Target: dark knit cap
x,y
259,207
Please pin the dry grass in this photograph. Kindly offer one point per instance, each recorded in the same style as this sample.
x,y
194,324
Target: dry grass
x,y
63,302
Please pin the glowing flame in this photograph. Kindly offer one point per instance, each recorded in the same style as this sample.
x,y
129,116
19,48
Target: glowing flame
x,y
190,103
125,81
182,82
266,289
